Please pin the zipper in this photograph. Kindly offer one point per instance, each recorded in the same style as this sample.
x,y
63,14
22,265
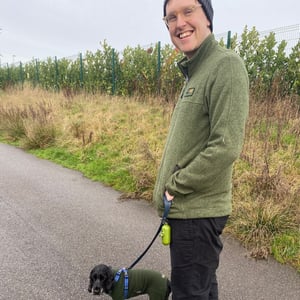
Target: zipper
x,y
184,87
184,71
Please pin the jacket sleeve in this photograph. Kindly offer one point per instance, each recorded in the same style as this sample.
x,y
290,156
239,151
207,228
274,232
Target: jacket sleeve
x,y
227,99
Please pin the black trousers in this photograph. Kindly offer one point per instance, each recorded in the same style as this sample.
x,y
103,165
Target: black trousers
x,y
195,249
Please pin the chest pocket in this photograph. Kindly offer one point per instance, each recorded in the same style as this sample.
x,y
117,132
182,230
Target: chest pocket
x,y
193,94
195,88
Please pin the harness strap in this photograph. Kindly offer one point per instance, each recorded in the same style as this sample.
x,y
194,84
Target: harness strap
x,y
126,280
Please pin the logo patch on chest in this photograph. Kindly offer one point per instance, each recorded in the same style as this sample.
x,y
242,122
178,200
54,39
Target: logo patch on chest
x,y
189,92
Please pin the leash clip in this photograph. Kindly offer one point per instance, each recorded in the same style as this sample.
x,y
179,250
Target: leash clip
x,y
167,206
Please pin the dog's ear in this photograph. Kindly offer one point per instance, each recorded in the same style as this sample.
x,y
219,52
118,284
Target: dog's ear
x,y
92,279
110,273
91,282
109,279
90,287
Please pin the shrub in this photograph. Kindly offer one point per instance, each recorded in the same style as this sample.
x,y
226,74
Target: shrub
x,y
153,71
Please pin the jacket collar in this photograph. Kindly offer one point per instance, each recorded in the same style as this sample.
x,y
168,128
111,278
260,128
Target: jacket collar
x,y
189,65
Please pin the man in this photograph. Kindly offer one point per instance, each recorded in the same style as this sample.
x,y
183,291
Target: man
x,y
205,138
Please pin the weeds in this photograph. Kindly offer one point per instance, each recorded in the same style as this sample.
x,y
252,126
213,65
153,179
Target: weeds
x,y
12,122
120,141
286,248
267,182
32,125
258,222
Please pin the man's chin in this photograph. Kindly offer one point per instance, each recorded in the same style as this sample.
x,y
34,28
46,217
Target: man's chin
x,y
188,52
186,48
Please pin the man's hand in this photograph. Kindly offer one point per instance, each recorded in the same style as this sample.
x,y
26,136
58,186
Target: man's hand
x,y
168,196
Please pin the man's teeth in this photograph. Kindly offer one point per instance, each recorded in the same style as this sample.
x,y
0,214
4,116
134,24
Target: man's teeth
x,y
184,35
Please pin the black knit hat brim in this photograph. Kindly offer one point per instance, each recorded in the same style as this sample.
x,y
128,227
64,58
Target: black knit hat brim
x,y
207,8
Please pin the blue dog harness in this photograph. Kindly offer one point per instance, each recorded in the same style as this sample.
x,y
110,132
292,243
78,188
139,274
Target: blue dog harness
x,y
167,206
126,280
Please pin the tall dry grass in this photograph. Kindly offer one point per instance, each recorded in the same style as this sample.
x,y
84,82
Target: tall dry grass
x,y
127,136
267,177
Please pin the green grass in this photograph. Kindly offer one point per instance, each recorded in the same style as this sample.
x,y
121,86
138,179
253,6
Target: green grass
x,y
92,166
286,248
119,142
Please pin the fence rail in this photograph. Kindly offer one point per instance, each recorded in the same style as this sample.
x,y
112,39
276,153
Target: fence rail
x,y
290,34
151,70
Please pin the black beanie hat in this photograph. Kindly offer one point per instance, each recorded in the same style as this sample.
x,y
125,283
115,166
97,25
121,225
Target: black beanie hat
x,y
207,7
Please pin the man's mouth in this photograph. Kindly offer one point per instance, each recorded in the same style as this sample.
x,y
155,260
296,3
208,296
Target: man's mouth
x,y
185,34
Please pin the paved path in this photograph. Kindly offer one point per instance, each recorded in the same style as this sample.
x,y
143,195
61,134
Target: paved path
x,y
55,225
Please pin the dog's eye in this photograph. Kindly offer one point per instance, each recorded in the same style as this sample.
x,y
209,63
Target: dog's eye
x,y
94,277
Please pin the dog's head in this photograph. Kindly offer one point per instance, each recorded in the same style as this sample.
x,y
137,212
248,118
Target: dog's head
x,y
101,279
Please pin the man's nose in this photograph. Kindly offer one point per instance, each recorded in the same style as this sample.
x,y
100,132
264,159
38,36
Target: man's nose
x,y
180,20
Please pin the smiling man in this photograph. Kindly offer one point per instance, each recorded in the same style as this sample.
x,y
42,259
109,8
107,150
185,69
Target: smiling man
x,y
205,138
187,33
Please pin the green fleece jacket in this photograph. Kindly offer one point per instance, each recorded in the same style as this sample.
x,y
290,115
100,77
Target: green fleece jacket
x,y
206,134
141,282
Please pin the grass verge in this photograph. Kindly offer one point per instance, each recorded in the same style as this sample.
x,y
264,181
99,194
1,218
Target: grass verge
x,y
119,142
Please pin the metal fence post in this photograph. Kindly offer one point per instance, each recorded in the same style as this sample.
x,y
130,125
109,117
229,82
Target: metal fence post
x,y
56,74
81,71
8,73
113,72
36,74
21,75
229,40
158,66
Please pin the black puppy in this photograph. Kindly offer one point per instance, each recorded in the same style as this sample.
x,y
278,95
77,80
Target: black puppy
x,y
103,279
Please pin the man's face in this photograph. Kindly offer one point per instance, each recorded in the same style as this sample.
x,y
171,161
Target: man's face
x,y
188,25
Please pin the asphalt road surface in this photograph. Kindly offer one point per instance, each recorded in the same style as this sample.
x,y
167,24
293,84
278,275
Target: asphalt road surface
x,y
55,225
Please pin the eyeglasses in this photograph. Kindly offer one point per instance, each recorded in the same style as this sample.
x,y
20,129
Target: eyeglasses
x,y
187,13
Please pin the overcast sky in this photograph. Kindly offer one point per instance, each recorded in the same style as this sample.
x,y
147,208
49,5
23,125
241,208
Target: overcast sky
x,y
63,28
